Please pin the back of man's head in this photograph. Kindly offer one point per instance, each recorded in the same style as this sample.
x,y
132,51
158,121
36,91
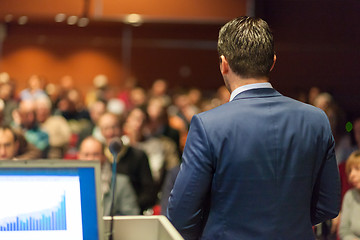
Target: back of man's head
x,y
247,44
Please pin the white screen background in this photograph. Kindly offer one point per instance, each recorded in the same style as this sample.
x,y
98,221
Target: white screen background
x,y
26,195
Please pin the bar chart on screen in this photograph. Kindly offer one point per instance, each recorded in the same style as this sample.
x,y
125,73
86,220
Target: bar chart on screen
x,y
47,219
40,207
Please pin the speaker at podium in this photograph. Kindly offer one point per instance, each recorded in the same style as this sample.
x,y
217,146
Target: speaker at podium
x,y
141,228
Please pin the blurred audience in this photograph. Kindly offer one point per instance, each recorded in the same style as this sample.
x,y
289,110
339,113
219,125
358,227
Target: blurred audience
x,y
98,93
313,93
349,142
159,89
124,94
71,106
9,143
125,201
52,121
180,114
35,88
326,102
138,97
350,212
96,109
14,146
55,126
161,151
195,97
158,122
222,95
131,161
8,102
26,122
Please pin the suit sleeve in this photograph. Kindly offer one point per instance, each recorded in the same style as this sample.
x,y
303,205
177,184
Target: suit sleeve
x,y
192,185
326,193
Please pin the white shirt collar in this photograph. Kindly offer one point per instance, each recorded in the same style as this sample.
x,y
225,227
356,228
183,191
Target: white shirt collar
x,y
248,87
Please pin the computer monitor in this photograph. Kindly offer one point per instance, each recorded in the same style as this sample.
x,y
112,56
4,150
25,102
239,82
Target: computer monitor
x,y
50,199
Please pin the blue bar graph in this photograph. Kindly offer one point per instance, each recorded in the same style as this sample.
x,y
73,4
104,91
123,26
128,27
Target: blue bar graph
x,y
40,221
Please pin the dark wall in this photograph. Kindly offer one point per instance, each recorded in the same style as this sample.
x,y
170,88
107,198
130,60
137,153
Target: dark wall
x,y
317,44
184,54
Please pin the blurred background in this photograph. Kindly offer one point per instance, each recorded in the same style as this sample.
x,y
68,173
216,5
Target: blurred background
x,y
135,42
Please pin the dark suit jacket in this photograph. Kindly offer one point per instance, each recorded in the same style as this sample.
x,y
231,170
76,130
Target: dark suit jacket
x,y
259,167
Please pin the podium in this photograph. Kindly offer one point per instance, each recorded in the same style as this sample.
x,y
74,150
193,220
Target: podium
x,y
141,228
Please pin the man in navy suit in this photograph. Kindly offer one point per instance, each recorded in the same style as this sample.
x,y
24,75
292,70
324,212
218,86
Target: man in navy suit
x,y
261,166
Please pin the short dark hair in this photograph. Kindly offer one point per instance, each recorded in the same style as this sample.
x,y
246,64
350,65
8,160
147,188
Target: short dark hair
x,y
248,46
6,127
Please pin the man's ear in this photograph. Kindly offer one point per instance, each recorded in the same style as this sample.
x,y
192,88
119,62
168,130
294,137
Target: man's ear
x,y
273,63
224,65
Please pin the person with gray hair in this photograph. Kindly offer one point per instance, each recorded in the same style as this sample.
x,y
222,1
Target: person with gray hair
x,y
24,120
55,126
125,201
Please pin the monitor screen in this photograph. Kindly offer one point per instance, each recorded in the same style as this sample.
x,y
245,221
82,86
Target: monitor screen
x,y
50,199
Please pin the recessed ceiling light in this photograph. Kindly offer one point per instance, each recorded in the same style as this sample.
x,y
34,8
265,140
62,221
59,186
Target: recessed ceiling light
x,y
83,22
9,17
134,19
23,20
72,20
60,17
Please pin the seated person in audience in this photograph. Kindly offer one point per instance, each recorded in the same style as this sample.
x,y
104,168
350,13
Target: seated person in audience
x,y
8,143
125,198
99,90
96,109
345,147
71,106
137,97
55,126
162,152
327,103
25,121
7,92
158,122
350,213
132,162
14,146
35,88
159,89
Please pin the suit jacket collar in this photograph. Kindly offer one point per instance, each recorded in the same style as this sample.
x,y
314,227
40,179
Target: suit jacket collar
x,y
257,93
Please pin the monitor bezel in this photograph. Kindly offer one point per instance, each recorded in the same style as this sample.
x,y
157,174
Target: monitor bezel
x,y
61,163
